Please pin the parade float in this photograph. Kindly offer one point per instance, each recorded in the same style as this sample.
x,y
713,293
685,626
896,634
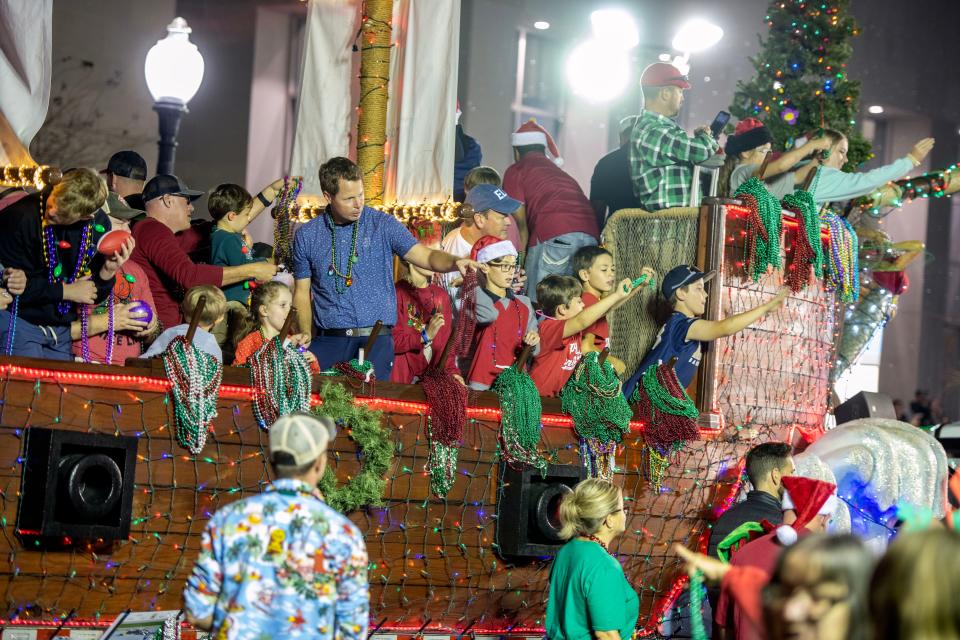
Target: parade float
x,y
110,474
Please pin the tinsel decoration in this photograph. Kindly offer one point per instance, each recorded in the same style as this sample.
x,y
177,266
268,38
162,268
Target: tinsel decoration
x,y
448,413
280,377
601,415
669,413
808,248
195,387
764,225
521,411
283,212
843,268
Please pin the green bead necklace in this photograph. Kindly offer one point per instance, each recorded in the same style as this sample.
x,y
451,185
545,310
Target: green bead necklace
x,y
342,281
764,225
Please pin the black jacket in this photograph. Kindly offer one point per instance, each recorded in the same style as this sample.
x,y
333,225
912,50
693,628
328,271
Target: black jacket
x,y
758,506
21,247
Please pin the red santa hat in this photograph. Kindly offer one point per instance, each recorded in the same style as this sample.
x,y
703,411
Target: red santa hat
x,y
489,248
532,133
809,498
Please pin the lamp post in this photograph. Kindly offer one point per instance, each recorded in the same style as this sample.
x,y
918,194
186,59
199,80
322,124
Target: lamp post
x,y
694,36
174,71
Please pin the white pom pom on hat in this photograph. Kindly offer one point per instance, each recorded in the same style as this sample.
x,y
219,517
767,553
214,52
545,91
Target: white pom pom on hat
x,y
786,534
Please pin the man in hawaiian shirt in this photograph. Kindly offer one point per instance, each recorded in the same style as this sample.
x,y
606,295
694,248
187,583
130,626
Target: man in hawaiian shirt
x,y
283,564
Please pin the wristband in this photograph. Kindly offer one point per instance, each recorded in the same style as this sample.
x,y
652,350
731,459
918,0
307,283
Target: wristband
x,y
263,199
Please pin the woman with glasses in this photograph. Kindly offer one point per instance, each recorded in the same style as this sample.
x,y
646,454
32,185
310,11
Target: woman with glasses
x,y
589,595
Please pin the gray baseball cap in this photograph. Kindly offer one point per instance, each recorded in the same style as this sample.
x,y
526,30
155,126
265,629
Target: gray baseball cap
x,y
302,436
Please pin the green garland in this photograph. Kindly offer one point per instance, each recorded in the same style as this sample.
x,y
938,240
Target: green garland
x,y
520,424
763,227
376,447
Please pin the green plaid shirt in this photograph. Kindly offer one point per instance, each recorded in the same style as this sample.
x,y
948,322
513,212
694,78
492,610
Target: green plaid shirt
x,y
662,156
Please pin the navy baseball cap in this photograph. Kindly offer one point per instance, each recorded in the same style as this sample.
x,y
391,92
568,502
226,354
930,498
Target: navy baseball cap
x,y
681,276
127,164
165,184
485,197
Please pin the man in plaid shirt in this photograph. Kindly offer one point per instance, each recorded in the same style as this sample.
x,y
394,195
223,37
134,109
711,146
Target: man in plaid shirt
x,y
662,155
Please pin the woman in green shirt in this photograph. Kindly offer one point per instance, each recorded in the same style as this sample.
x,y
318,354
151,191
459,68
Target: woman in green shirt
x,y
590,598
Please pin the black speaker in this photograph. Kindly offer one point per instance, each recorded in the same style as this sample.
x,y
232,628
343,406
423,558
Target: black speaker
x,y
528,522
865,404
75,487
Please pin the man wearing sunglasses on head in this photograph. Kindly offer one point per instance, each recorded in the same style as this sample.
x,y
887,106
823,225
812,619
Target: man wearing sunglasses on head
x,y
662,154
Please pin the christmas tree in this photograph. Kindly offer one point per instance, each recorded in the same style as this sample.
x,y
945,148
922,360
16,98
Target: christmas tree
x,y
801,81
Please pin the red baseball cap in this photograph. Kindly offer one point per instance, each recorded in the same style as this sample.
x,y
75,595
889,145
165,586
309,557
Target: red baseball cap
x,y
663,74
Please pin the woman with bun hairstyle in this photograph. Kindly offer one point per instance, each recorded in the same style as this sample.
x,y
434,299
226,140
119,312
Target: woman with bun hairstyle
x,y
590,597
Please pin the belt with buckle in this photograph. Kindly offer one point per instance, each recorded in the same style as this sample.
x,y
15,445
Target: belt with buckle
x,y
357,332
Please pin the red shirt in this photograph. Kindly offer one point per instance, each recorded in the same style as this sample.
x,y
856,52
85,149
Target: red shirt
x,y
601,328
497,345
553,201
415,307
761,554
169,269
125,343
251,344
557,358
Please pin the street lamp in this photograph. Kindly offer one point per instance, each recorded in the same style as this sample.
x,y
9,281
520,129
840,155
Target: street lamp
x,y
694,36
174,70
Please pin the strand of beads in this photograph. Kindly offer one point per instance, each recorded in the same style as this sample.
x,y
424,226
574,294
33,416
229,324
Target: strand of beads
x,y
283,212
280,377
764,225
448,413
843,268
808,250
12,325
520,420
341,280
85,333
195,386
110,330
51,257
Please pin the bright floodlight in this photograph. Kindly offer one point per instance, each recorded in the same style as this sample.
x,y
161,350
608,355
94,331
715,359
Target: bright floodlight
x,y
174,66
541,24
597,71
697,35
875,108
615,27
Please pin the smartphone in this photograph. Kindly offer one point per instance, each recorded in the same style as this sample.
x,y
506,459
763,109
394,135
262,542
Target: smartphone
x,y
719,123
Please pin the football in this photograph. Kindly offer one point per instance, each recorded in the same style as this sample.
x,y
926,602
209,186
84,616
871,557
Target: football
x,y
111,241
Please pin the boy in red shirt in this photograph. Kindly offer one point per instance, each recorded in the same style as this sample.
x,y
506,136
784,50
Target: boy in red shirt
x,y
565,319
594,267
505,321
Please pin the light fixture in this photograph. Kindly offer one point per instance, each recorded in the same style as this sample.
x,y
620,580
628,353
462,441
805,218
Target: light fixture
x,y
597,71
174,71
697,35
543,25
875,109
615,27
664,57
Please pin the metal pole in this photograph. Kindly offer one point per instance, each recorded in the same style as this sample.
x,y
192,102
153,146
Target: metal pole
x,y
169,114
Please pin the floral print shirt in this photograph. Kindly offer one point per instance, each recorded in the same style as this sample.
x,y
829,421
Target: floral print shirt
x,y
282,564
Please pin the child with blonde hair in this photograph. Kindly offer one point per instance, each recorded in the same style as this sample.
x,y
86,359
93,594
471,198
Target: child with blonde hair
x,y
213,310
270,304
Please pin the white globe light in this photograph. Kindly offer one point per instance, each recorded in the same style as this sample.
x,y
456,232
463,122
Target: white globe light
x,y
541,25
597,71
697,35
615,27
174,66
875,109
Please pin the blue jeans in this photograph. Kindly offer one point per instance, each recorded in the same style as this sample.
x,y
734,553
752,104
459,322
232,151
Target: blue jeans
x,y
31,341
553,257
333,349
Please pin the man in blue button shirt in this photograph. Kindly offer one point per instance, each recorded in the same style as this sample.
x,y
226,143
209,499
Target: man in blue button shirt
x,y
343,266
683,335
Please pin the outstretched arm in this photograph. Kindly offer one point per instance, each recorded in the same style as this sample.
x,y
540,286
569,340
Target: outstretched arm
x,y
707,330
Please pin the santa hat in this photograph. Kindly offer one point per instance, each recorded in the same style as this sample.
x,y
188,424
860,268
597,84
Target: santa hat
x,y
809,498
749,134
489,248
532,133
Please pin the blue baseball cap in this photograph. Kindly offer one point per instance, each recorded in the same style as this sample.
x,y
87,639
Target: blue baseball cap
x,y
486,197
681,276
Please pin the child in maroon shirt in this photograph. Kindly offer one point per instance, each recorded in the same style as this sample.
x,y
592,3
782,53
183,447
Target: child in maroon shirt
x,y
424,317
594,267
564,321
505,321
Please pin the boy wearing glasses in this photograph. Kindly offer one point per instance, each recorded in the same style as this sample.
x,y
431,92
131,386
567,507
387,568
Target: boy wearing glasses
x,y
505,321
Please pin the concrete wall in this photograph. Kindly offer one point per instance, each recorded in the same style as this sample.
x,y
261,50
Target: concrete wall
x,y
98,51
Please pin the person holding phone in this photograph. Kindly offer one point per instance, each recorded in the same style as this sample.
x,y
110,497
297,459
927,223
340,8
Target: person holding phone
x,y
746,151
662,154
